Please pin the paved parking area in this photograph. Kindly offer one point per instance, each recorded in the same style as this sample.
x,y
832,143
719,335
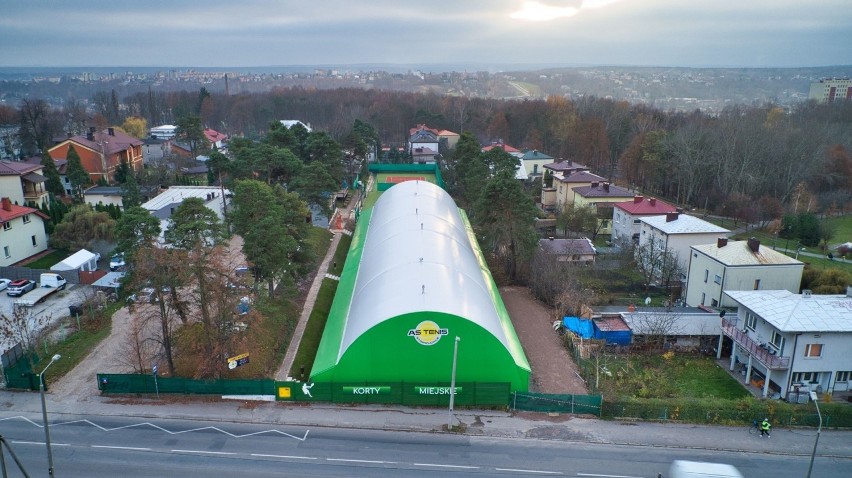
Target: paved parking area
x,y
49,313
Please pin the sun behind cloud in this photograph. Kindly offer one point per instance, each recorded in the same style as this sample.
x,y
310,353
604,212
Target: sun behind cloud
x,y
544,12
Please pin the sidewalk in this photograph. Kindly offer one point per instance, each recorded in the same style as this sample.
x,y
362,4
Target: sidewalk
x,y
484,423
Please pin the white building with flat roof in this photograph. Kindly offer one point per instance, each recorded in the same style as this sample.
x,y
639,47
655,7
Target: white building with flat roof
x,y
790,344
166,203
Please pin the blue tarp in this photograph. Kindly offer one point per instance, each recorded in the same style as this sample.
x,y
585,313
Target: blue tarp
x,y
582,327
588,329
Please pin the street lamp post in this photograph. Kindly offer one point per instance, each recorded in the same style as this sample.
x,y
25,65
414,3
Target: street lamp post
x,y
453,383
44,414
819,429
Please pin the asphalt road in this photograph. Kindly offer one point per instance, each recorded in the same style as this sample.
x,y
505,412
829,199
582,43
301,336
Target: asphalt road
x,y
132,447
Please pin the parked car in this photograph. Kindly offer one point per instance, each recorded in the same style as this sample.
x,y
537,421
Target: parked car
x,y
19,287
116,262
145,296
4,283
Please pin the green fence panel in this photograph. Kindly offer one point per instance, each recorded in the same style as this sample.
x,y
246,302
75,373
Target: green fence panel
x,y
559,403
203,387
248,387
21,376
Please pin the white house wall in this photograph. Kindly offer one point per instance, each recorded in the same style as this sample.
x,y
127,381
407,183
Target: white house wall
x,y
18,241
678,244
772,277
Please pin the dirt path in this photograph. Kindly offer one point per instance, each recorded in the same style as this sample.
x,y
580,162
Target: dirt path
x,y
554,371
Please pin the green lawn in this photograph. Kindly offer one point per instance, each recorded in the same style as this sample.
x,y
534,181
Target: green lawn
x,y
652,376
48,260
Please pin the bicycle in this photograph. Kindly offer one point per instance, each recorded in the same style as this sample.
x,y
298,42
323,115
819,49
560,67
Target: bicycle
x,y
754,428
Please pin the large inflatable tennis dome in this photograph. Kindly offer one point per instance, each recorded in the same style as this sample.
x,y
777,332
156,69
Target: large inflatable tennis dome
x,y
415,280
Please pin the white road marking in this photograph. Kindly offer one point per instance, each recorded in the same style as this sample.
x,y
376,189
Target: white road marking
x,y
302,438
261,455
446,466
541,472
21,442
363,461
203,452
133,448
607,476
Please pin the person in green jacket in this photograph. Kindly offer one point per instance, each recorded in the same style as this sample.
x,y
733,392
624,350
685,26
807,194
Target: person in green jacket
x,y
765,426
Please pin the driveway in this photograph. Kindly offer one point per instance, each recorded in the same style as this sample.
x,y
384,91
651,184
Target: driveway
x,y
553,369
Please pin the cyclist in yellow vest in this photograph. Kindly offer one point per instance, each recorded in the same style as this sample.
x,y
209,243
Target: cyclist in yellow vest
x,y
765,426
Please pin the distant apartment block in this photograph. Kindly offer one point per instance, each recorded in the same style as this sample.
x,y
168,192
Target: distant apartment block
x,y
830,90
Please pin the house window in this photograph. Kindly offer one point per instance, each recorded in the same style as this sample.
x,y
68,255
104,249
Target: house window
x,y
66,180
636,221
703,296
706,275
714,303
843,376
750,321
35,243
26,218
717,279
805,377
777,340
7,226
535,169
757,284
813,350
6,251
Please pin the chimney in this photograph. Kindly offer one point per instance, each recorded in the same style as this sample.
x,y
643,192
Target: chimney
x,y
606,187
672,216
92,129
721,242
679,210
849,291
653,201
7,204
753,244
594,184
637,199
69,135
90,135
806,293
111,131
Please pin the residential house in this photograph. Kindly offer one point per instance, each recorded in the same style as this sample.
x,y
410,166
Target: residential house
x,y
451,138
737,265
423,155
521,172
676,233
104,195
102,151
164,204
215,138
601,196
568,250
166,131
562,194
788,344
534,162
423,141
23,233
290,123
564,169
625,219
22,182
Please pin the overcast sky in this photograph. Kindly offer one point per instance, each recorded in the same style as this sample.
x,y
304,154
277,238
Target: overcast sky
x,y
233,33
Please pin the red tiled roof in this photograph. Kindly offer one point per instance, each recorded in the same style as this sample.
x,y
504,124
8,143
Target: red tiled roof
x,y
423,127
214,136
17,168
16,211
504,147
111,143
641,206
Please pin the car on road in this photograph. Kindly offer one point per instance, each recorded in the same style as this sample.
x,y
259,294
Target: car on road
x,y
4,283
19,287
116,262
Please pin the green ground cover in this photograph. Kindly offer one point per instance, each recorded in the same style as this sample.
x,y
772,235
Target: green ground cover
x,y
48,260
653,376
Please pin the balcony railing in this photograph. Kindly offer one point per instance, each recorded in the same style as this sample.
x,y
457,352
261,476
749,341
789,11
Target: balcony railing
x,y
763,354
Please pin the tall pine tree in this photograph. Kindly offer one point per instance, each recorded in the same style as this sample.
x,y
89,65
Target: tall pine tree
x,y
54,181
77,176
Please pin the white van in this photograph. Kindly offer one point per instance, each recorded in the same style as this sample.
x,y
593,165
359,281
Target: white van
x,y
697,469
50,279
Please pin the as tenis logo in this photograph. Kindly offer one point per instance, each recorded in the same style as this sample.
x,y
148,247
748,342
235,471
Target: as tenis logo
x,y
427,333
